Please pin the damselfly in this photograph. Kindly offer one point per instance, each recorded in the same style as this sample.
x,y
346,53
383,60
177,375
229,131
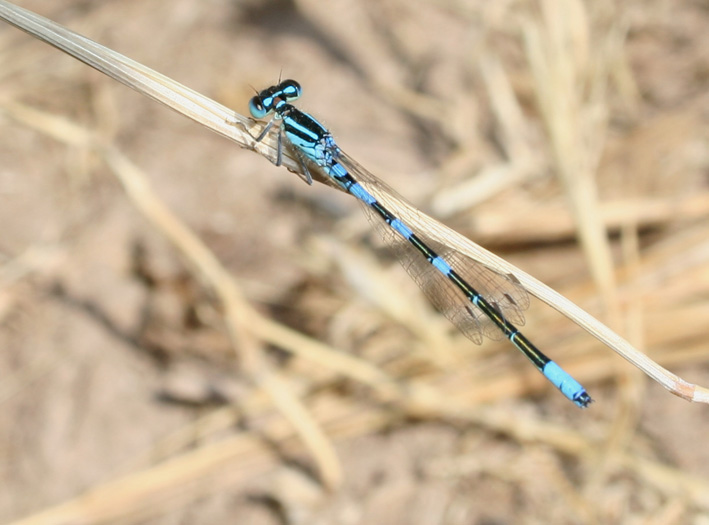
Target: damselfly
x,y
476,299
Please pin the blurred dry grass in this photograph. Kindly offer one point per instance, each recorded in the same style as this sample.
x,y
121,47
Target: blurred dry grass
x,y
122,401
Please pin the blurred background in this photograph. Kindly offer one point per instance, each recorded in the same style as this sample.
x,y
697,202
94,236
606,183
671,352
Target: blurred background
x,y
568,137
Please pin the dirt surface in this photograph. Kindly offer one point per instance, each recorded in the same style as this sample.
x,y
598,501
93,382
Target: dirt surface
x,y
125,398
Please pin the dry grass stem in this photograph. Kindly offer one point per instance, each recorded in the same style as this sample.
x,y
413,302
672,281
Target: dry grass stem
x,y
563,115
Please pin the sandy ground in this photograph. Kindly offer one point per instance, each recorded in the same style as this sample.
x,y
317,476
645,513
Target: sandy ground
x,y
123,396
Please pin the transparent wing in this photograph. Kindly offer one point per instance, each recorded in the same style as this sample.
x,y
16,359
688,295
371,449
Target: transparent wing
x,y
507,296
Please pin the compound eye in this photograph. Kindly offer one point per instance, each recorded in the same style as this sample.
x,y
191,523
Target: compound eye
x,y
291,89
256,108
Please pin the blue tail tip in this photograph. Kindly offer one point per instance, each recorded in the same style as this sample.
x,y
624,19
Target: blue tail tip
x,y
571,388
